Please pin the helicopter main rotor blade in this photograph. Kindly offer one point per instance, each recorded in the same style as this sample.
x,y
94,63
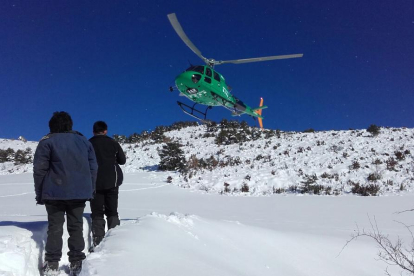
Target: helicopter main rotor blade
x,y
179,30
237,61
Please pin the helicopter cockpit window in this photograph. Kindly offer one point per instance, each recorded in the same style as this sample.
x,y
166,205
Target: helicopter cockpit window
x,y
216,77
208,72
195,78
199,69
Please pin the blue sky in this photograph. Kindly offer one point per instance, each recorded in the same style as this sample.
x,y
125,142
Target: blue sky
x,y
114,61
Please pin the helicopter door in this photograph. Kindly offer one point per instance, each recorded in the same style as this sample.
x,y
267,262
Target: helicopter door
x,y
209,75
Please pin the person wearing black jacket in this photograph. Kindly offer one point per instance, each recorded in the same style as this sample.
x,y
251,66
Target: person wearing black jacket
x,y
64,172
109,155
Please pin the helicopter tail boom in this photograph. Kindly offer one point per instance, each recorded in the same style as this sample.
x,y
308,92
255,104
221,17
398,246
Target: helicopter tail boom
x,y
259,109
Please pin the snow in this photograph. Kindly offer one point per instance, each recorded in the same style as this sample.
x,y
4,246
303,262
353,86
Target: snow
x,y
170,230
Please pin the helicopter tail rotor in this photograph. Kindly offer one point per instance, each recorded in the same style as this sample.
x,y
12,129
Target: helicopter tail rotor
x,y
259,112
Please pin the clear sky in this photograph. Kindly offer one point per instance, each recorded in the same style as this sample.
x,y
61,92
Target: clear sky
x,y
114,61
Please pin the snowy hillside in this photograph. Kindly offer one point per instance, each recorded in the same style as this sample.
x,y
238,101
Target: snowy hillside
x,y
263,228
328,162
8,150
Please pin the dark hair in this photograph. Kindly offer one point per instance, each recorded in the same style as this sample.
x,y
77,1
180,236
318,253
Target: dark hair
x,y
60,122
99,127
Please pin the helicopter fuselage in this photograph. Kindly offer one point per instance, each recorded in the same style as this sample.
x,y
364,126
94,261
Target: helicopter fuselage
x,y
203,85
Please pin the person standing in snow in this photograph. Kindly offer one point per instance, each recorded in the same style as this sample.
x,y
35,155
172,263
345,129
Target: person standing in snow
x,y
64,172
109,155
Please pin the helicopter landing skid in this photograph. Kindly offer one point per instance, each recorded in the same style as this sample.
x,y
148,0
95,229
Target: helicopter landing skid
x,y
192,111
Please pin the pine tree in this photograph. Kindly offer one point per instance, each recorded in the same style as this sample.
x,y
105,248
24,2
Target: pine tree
x,y
172,157
6,155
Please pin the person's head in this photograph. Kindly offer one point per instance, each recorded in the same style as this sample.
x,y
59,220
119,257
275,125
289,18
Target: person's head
x,y
100,127
60,122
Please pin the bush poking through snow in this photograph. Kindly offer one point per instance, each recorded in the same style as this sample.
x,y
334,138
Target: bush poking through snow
x,y
226,187
355,165
19,157
369,190
374,176
23,157
399,155
6,155
391,163
374,130
245,188
278,190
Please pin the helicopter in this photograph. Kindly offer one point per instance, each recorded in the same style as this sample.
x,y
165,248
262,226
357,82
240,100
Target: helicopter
x,y
202,84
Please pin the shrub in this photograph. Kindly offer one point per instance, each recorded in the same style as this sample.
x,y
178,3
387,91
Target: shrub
x,y
245,188
374,176
23,157
374,130
309,185
226,187
222,138
330,176
6,155
310,179
259,157
119,138
369,190
355,165
399,155
377,162
172,157
278,190
391,163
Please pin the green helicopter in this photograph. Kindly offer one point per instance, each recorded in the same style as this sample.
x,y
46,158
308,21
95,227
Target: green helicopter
x,y
203,85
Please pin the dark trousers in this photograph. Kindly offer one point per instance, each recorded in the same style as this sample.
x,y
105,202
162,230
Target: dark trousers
x,y
56,210
105,203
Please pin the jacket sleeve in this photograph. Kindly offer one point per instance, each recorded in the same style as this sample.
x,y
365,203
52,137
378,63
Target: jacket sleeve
x,y
41,163
93,165
120,155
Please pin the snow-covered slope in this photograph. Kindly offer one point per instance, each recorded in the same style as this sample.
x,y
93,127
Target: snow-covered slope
x,y
15,145
167,230
336,159
327,162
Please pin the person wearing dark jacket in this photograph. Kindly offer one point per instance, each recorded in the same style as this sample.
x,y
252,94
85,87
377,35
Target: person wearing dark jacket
x,y
64,172
109,155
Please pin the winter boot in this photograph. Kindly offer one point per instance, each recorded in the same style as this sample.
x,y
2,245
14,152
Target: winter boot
x,y
75,268
50,268
113,221
96,241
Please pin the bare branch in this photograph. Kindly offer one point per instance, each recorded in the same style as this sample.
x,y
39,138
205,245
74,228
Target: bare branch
x,y
404,211
392,253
